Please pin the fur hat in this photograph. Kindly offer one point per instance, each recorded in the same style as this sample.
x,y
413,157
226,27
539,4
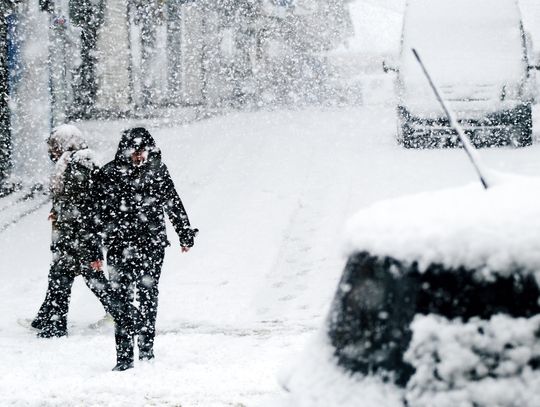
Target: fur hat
x,y
67,137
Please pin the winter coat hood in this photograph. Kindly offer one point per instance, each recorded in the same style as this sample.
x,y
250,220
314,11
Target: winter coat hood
x,y
137,139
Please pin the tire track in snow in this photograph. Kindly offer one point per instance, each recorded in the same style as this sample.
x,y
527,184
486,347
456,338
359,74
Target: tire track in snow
x,y
20,204
261,330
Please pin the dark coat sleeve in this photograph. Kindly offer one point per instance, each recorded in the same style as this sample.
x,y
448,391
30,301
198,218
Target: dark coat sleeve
x,y
175,210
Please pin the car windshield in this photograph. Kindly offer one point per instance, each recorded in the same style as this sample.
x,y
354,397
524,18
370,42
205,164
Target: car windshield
x,y
463,42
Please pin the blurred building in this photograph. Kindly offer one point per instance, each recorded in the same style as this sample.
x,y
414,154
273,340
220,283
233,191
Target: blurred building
x,y
157,53
114,93
115,57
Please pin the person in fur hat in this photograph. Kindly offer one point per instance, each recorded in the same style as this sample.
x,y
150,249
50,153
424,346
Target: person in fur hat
x,y
74,251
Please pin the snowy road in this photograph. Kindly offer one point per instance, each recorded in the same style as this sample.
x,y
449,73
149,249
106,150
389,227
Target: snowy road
x,y
270,192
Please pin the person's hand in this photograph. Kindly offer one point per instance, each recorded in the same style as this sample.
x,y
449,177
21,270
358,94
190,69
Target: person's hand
x,y
187,238
52,217
97,265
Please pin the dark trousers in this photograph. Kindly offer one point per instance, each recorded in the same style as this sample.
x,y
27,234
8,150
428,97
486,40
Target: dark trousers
x,y
52,315
135,267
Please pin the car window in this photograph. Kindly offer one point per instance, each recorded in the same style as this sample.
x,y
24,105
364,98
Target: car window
x,y
377,299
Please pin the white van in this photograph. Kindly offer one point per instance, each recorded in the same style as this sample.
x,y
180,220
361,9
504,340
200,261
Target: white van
x,y
477,53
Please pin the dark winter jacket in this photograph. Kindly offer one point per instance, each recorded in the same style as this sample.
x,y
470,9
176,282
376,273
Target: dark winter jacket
x,y
73,207
132,200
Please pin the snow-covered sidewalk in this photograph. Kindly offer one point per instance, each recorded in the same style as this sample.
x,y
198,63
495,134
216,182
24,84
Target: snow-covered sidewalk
x,y
23,201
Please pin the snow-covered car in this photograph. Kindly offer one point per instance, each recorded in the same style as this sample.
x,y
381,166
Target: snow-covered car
x,y
438,305
476,50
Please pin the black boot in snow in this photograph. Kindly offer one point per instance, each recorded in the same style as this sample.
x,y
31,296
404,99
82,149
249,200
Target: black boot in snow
x,y
146,354
37,324
124,350
51,333
123,365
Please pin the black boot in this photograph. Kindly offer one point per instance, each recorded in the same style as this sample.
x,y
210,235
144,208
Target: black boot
x,y
146,354
37,324
51,333
146,345
53,329
123,365
124,350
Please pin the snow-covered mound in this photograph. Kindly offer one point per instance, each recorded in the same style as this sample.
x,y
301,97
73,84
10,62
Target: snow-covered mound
x,y
315,380
495,230
479,363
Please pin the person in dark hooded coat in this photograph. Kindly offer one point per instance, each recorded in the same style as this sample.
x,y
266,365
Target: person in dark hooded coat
x,y
135,190
73,248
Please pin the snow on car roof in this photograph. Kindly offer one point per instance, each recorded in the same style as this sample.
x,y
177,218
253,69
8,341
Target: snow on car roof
x,y
495,231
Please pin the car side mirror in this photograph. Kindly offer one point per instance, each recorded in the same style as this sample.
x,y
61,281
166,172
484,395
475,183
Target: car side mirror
x,y
388,68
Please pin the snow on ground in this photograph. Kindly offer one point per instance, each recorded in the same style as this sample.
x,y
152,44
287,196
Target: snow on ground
x,y
270,192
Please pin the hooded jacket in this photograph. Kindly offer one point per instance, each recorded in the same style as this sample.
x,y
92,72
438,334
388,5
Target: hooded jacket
x,y
72,189
132,199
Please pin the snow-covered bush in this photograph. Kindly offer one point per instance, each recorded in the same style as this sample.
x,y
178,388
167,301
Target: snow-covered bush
x,y
479,363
